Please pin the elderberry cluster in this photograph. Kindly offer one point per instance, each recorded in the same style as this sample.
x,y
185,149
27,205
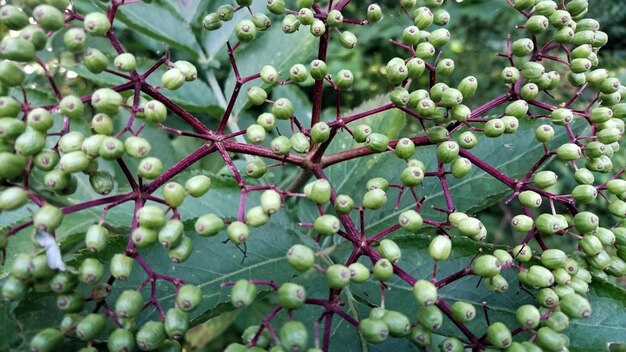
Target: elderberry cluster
x,y
93,148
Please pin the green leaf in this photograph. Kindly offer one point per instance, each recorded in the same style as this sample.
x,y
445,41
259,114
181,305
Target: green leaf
x,y
607,323
161,21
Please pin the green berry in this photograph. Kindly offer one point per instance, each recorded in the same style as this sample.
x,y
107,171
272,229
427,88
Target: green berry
x,y
171,233
410,220
359,273
423,17
440,247
301,257
96,238
326,224
48,218
181,251
144,237
46,340
347,40
256,168
129,303
291,295
188,297
121,266
390,250
150,168
425,292
14,289
150,336
430,317
499,335
243,293
383,270
374,330
397,73
549,339
176,323
293,336
337,276
238,232
256,216
90,327
374,199
463,312
528,316
75,40
300,142
397,323
173,79
510,74
106,100
125,62
101,182
151,216
12,198
486,266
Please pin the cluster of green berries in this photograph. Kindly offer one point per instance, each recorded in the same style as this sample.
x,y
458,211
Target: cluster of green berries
x,y
560,280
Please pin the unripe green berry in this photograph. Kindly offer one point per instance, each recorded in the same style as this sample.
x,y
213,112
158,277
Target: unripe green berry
x,y
430,317
46,340
410,220
90,327
173,78
301,257
150,168
463,312
96,238
129,303
293,336
150,336
359,273
243,293
238,232
510,74
144,237
30,142
209,225
291,295
568,152
549,339
97,24
48,218
121,266
425,292
198,185
12,198
383,270
171,233
337,276
486,266
347,40
440,247
326,224
499,335
410,35
423,17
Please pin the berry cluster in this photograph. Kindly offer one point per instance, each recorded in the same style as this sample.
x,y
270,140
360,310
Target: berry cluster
x,y
46,155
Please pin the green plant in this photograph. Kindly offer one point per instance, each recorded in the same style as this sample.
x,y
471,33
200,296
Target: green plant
x,y
284,214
